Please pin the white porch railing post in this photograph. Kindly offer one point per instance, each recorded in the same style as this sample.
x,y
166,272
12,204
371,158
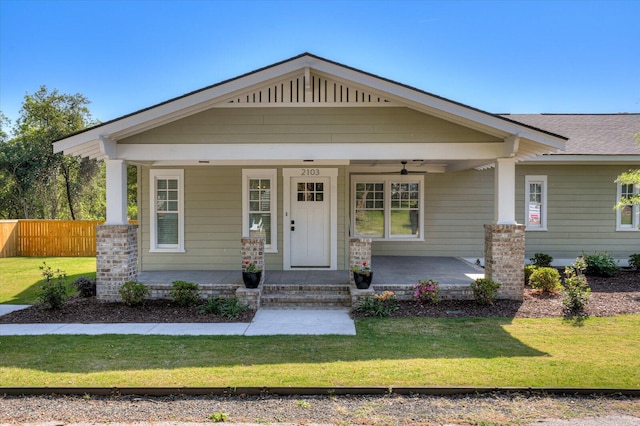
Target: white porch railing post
x,y
504,210
116,192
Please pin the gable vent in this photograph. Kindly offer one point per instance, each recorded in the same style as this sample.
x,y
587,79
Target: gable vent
x,y
319,91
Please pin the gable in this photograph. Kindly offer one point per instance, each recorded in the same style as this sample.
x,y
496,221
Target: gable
x,y
307,87
309,81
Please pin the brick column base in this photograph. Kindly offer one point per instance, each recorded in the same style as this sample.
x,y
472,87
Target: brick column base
x,y
252,250
359,251
504,259
116,259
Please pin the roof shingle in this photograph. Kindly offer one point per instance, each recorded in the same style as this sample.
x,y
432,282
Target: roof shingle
x,y
589,134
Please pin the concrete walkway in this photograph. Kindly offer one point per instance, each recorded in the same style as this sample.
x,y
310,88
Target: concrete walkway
x,y
265,323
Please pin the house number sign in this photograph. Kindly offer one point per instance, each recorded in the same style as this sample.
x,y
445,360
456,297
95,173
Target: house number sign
x,y
310,172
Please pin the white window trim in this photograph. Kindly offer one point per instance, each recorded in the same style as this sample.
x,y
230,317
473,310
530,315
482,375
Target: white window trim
x,y
271,174
154,174
388,180
543,208
634,212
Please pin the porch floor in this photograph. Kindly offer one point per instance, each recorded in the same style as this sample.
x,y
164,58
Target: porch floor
x,y
386,270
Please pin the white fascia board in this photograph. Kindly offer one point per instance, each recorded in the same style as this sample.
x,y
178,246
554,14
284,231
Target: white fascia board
x,y
583,159
175,109
416,98
316,151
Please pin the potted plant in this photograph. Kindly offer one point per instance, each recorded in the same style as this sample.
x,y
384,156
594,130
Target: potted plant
x,y
362,275
251,275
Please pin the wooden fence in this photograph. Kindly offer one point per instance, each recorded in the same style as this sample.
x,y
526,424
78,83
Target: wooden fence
x,y
69,238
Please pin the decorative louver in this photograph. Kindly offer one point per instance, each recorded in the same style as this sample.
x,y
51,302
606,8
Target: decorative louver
x,y
308,89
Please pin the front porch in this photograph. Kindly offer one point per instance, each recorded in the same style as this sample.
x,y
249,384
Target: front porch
x,y
388,270
318,288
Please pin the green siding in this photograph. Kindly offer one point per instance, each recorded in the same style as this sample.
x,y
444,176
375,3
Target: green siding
x,y
457,205
309,125
580,213
213,222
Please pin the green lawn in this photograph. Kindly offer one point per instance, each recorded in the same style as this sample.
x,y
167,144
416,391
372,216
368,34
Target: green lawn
x,y
600,352
20,277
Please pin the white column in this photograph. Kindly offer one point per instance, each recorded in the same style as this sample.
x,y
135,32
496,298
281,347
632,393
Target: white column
x,y
504,207
116,192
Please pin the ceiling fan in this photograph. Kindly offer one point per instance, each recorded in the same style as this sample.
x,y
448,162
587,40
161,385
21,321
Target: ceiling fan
x,y
404,170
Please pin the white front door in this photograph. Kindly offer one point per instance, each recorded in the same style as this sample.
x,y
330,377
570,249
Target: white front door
x,y
310,222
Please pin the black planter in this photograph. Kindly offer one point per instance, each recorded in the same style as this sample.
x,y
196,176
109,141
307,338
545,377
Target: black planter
x,y
363,281
251,279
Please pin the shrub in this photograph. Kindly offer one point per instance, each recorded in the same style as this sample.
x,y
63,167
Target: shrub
x,y
427,291
541,260
576,289
528,270
379,305
85,286
228,308
54,291
485,291
185,293
546,280
133,293
634,260
600,264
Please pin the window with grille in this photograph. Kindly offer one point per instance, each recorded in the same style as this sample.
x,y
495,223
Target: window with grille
x,y
387,207
536,203
167,221
259,206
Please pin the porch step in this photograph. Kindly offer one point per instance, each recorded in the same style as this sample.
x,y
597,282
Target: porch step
x,y
305,296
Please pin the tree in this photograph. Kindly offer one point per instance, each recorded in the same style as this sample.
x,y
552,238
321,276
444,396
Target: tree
x,y
632,177
35,181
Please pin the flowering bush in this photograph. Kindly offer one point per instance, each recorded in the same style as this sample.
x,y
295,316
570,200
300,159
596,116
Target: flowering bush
x,y
427,291
379,305
365,268
250,267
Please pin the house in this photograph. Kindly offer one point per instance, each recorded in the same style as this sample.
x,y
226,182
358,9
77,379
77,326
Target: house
x,y
311,164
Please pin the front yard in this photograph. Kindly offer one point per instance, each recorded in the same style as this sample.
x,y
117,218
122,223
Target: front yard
x,y
600,352
547,352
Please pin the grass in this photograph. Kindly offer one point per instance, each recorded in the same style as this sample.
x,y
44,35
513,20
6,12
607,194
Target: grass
x,y
599,352
20,278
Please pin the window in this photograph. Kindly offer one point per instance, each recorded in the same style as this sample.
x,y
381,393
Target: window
x,y
167,210
536,203
259,206
627,215
387,207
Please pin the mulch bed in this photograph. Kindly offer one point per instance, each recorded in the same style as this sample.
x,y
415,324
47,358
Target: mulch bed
x,y
609,296
89,310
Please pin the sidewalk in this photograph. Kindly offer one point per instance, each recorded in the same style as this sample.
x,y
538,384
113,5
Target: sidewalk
x,y
266,322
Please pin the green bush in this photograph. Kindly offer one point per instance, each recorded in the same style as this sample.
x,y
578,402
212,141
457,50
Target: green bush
x,y
185,293
576,290
133,293
379,305
541,260
546,280
485,291
228,308
528,270
54,291
85,287
600,264
634,260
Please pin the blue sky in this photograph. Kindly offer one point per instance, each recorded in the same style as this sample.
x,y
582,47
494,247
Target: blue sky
x,y
499,56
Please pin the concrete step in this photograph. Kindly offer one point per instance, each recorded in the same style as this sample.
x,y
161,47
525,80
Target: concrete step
x,y
305,296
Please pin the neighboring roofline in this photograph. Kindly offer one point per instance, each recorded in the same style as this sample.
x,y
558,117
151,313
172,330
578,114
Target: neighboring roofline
x,y
306,54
